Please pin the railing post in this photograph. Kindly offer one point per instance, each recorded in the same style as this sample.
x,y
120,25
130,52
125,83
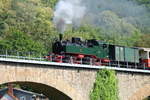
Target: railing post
x,y
29,56
109,64
127,65
40,56
18,55
118,64
51,57
61,59
81,60
90,61
100,62
6,53
144,66
135,65
71,60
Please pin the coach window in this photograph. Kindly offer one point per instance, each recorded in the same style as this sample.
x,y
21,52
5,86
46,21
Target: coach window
x,y
149,56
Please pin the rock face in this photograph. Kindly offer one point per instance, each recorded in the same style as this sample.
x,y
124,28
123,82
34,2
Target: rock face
x,y
71,83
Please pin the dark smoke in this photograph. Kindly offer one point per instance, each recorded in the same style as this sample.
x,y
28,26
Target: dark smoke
x,y
68,12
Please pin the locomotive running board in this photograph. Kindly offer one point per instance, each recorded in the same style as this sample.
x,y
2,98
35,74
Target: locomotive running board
x,y
72,65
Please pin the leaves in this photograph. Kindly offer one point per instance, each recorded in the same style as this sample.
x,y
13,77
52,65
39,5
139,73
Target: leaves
x,y
19,41
3,28
105,86
34,18
144,41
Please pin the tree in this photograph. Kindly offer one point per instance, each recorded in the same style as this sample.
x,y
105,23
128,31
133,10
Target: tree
x,y
19,41
3,28
50,3
33,17
105,86
144,41
85,31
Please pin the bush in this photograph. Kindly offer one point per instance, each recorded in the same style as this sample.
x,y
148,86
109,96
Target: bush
x,y
105,86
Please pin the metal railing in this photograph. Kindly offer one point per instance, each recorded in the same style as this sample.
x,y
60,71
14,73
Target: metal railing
x,y
21,55
52,58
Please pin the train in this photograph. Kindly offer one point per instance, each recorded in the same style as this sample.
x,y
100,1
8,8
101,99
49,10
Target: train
x,y
96,52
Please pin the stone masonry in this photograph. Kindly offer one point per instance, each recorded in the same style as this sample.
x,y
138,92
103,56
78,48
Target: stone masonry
x,y
75,83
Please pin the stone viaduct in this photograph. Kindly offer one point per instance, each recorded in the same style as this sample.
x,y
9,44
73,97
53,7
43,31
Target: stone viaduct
x,y
64,83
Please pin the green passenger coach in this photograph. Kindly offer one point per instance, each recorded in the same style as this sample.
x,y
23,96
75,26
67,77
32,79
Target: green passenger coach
x,y
124,54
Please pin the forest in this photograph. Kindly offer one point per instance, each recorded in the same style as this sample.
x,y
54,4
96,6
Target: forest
x,y
27,25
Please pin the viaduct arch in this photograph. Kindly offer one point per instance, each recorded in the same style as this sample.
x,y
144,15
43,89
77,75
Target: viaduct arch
x,y
53,93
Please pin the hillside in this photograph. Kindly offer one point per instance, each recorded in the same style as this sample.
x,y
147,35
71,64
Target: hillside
x,y
27,25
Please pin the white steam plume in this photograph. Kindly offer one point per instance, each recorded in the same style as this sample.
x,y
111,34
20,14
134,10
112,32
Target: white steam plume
x,y
68,12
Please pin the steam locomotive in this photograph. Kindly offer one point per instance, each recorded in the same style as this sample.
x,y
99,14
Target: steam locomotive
x,y
97,52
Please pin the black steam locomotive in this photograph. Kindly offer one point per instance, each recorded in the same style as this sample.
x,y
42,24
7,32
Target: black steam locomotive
x,y
96,52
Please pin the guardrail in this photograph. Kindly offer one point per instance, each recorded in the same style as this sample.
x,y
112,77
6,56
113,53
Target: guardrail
x,y
21,55
38,57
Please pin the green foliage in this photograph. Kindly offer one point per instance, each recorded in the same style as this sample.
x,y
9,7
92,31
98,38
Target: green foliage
x,y
148,98
105,86
144,41
6,85
34,17
3,86
89,32
111,23
5,4
50,3
3,28
86,32
144,3
19,41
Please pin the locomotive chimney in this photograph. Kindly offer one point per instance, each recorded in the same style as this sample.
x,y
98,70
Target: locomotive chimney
x,y
60,37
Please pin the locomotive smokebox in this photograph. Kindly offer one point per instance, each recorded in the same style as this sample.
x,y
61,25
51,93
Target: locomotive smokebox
x,y
60,37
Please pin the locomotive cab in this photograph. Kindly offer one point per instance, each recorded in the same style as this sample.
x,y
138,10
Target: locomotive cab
x,y
145,57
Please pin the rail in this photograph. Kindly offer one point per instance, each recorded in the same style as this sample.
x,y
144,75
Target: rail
x,y
26,56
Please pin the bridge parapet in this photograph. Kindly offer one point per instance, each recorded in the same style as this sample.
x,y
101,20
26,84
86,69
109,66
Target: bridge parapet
x,y
74,80
19,57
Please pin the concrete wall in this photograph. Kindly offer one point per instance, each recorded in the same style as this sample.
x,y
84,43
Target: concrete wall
x,y
75,83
